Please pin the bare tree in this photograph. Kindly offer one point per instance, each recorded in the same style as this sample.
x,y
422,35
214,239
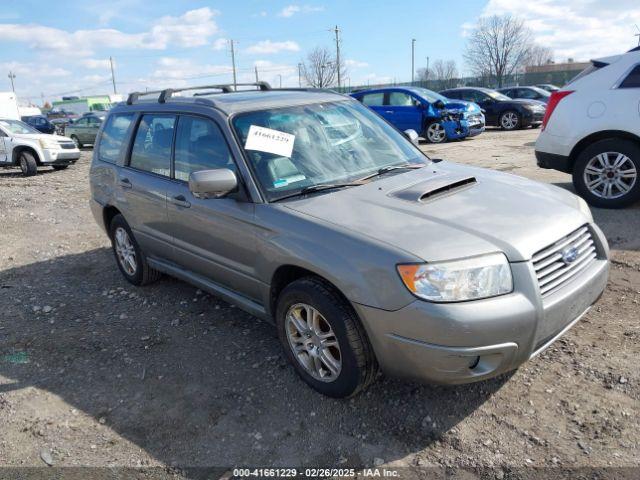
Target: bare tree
x,y
424,74
539,56
445,72
320,68
499,46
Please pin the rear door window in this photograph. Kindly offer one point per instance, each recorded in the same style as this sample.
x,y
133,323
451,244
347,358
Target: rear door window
x,y
152,145
113,136
373,99
633,79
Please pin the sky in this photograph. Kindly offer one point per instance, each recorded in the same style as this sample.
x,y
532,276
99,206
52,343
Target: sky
x,y
63,48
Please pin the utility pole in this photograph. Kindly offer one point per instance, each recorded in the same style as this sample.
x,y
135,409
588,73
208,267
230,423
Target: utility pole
x,y
413,50
256,69
300,75
638,34
113,77
280,75
337,32
427,72
12,76
233,63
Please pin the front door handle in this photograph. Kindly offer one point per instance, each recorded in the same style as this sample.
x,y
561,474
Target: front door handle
x,y
125,183
180,201
388,111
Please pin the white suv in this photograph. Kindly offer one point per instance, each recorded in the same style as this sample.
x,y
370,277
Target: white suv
x,y
24,146
592,130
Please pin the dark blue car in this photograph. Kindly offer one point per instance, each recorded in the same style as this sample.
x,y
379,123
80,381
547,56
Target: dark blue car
x,y
436,118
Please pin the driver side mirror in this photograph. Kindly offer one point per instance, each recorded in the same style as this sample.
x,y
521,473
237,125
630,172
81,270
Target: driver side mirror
x,y
412,135
215,183
439,104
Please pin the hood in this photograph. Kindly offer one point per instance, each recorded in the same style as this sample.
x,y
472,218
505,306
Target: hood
x,y
463,106
446,211
43,136
524,101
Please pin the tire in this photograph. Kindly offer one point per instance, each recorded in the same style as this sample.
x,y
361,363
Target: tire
x,y
140,273
357,363
536,125
59,167
624,176
28,164
76,140
510,120
434,133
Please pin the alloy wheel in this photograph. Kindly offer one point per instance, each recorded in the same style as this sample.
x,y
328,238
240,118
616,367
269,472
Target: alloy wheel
x,y
610,175
509,121
436,133
313,342
125,251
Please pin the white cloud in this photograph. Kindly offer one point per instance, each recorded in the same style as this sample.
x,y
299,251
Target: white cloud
x,y
355,63
266,47
185,69
576,29
192,29
291,10
220,44
95,63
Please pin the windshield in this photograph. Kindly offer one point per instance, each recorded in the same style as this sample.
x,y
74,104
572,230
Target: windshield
x,y
541,91
295,147
17,127
497,95
430,95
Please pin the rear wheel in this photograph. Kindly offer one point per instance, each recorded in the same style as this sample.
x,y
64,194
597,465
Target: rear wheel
x,y
129,257
28,164
606,173
510,120
59,167
324,339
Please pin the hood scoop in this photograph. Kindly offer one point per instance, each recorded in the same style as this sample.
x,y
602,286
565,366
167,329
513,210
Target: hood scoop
x,y
434,187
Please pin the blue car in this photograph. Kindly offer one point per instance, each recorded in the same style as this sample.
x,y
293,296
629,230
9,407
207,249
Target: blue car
x,y
436,118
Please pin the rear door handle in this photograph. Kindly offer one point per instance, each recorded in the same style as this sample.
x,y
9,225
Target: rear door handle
x,y
125,182
180,201
388,111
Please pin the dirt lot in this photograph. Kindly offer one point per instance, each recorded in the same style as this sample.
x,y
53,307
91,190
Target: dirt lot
x,y
95,372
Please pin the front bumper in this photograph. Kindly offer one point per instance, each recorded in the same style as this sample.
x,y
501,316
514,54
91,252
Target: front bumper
x,y
59,157
471,341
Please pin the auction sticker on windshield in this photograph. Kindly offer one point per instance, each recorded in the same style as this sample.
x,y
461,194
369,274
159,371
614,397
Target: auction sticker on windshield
x,y
271,141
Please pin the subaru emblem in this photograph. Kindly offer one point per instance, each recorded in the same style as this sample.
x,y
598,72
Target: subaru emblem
x,y
569,255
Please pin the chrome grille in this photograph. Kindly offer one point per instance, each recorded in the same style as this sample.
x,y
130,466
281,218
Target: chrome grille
x,y
553,270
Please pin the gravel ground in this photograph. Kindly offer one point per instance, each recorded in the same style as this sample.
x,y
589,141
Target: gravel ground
x,y
95,372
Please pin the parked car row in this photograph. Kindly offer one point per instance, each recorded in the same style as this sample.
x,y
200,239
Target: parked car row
x,y
456,113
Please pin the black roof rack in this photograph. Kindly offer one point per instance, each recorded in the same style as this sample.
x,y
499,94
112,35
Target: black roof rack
x,y
167,93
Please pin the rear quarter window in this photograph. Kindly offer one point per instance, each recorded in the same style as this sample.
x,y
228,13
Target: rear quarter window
x,y
632,80
113,136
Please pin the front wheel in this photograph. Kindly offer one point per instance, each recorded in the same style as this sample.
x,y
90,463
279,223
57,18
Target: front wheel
x,y
510,120
606,173
435,133
77,141
324,339
28,164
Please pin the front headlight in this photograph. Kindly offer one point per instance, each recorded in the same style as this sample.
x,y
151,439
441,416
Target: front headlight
x,y
459,280
49,144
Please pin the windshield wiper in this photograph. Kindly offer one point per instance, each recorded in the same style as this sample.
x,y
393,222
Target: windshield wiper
x,y
318,188
391,168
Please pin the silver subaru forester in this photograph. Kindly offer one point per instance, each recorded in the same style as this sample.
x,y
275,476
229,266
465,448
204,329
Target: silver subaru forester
x,y
305,208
